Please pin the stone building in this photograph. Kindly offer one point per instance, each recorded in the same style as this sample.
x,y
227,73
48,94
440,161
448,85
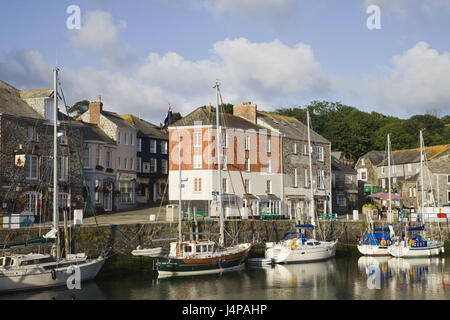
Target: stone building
x,y
367,168
346,191
26,149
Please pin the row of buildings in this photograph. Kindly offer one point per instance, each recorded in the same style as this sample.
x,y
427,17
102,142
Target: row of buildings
x,y
265,168
125,159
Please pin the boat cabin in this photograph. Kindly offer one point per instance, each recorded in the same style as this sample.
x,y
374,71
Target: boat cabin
x,y
24,260
202,247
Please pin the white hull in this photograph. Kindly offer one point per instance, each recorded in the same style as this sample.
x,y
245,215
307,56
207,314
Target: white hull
x,y
287,252
373,250
31,277
433,248
169,274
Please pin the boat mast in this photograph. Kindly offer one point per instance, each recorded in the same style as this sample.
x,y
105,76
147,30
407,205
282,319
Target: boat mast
x,y
55,160
389,178
421,172
311,206
180,210
219,160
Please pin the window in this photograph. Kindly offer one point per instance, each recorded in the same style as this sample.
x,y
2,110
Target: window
x,y
98,184
341,201
268,144
125,163
294,148
320,153
197,184
139,145
108,159
448,179
382,170
383,183
306,183
87,157
31,167
414,192
132,139
164,166
119,136
152,146
305,149
197,139
119,164
98,156
125,138
197,161
164,147
63,168
409,167
294,178
247,143
247,185
224,162
126,192
138,164
247,164
268,166
410,192
146,167
63,200
363,162
224,185
320,179
49,110
63,138
31,202
362,174
224,140
32,136
153,166
132,164
348,179
269,186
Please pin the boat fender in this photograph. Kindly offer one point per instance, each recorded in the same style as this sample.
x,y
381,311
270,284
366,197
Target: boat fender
x,y
220,263
53,274
292,245
411,243
383,242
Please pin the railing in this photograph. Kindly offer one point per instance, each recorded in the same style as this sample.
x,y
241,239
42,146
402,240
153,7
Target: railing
x,y
325,216
269,215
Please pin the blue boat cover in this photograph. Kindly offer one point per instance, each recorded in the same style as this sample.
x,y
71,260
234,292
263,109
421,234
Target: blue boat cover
x,y
375,238
421,228
304,226
291,232
382,229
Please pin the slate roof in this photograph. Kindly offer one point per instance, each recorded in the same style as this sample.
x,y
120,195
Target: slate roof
x,y
442,167
337,165
41,93
93,132
146,129
12,104
290,127
376,157
207,117
117,119
413,155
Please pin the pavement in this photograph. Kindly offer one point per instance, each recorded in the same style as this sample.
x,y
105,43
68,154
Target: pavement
x,y
136,216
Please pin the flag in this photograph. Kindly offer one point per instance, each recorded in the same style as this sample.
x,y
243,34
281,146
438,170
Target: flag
x,y
168,118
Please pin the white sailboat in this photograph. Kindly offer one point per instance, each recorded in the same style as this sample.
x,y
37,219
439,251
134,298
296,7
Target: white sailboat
x,y
37,271
413,245
199,257
299,249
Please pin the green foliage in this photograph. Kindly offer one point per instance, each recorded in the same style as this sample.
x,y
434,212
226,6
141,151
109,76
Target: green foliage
x,y
356,132
78,108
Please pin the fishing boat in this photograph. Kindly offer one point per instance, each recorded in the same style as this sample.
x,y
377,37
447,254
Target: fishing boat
x,y
202,256
413,245
299,249
35,271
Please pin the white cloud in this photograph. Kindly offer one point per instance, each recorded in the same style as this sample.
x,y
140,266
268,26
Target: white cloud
x,y
264,72
417,81
100,34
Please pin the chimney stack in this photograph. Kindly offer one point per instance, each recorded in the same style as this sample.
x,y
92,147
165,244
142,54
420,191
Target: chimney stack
x,y
246,110
95,108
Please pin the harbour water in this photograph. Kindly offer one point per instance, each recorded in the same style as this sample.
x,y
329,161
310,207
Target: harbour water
x,y
343,278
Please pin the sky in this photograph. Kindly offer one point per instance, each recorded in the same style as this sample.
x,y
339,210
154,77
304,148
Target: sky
x,y
142,55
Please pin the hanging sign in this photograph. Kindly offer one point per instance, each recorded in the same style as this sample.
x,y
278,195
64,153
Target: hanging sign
x,y
19,160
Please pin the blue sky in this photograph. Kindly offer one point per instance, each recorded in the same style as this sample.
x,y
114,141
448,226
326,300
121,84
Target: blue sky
x,y
276,53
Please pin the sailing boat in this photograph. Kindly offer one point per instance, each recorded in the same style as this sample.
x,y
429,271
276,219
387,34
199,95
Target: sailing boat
x,y
299,248
199,257
413,245
377,240
37,271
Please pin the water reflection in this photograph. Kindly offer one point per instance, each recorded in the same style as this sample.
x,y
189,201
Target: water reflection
x,y
88,291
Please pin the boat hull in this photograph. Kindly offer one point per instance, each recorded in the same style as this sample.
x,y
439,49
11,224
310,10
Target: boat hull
x,y
175,267
373,250
38,278
285,253
433,248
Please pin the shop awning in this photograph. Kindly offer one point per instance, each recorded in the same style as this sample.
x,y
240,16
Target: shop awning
x,y
385,196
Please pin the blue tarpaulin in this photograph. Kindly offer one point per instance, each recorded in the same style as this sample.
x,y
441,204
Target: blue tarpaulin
x,y
421,228
304,226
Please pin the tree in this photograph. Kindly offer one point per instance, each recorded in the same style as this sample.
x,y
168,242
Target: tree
x,y
79,108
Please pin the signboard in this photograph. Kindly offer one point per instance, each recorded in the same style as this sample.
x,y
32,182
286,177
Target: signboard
x,y
19,160
367,188
78,217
